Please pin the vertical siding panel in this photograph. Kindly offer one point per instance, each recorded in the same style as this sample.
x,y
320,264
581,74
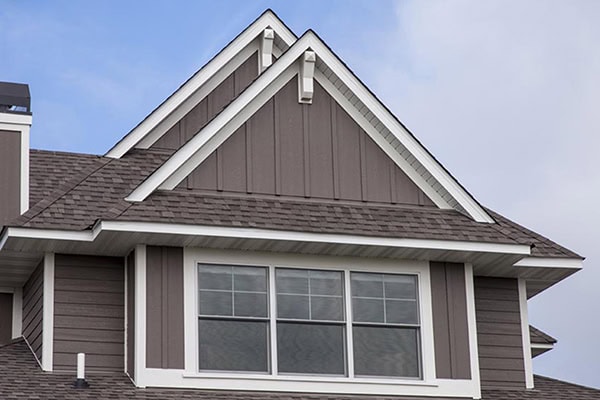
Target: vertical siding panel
x,y
349,156
154,316
441,328
220,97
263,151
458,321
248,141
10,175
164,317
363,166
320,148
378,171
171,139
291,140
498,315
205,175
245,74
194,121
406,190
306,148
233,156
277,146
335,147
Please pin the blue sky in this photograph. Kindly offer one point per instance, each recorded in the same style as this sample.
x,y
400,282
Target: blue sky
x,y
504,93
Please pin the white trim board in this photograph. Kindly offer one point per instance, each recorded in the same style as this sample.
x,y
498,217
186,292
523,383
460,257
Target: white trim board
x,y
529,384
267,20
48,313
265,234
188,157
140,315
472,328
542,262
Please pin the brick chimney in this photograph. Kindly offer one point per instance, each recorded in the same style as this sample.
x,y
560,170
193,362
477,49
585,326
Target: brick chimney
x,y
15,123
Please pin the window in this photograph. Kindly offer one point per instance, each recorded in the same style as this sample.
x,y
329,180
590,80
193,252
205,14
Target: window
x,y
233,321
288,321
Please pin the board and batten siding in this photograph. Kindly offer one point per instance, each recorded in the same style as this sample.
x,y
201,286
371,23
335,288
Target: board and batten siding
x,y
10,175
304,150
164,312
210,106
499,333
33,310
450,322
89,312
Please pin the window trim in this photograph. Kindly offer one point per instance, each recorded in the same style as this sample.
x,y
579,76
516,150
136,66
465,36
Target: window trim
x,y
193,257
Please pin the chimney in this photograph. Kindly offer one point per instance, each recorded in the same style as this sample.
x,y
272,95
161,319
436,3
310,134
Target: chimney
x,y
15,123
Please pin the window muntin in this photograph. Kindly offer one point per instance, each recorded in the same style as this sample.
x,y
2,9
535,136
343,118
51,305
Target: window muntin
x,y
233,321
311,335
318,316
385,325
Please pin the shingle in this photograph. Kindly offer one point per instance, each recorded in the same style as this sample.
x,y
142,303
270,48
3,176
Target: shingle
x,y
537,336
91,188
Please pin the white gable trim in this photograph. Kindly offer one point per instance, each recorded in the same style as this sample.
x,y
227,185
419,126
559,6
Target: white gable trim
x,y
186,159
213,72
546,262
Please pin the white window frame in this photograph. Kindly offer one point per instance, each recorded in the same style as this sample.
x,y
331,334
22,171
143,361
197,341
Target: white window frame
x,y
190,377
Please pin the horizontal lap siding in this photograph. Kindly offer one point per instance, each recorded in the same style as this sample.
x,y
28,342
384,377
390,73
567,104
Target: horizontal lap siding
x,y
33,304
499,333
89,312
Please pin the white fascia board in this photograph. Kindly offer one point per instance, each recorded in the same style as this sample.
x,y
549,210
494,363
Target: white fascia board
x,y
267,20
549,262
413,146
544,346
526,340
16,119
49,234
188,157
267,234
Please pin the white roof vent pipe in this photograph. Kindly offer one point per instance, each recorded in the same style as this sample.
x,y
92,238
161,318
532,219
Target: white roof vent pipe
x,y
80,382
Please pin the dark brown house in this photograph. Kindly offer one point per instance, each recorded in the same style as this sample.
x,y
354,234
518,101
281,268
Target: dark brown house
x,y
269,228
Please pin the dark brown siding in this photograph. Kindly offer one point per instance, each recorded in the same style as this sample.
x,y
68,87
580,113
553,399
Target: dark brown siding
x,y
10,175
211,105
6,317
450,322
499,333
164,314
292,149
33,307
131,314
89,312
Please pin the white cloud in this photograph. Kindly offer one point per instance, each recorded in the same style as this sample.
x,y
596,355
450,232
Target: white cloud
x,y
506,94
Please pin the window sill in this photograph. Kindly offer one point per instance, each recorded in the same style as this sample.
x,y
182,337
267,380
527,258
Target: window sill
x,y
306,378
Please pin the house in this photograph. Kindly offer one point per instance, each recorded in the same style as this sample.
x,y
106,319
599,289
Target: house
x,y
269,228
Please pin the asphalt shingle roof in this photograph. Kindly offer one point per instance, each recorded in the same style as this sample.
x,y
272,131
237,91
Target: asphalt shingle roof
x,y
537,336
75,191
21,378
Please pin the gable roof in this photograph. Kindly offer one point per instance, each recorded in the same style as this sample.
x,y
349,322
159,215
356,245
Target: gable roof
x,y
202,82
21,377
394,139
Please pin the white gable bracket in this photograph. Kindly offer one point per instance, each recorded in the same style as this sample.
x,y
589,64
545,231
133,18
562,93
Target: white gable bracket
x,y
306,77
266,49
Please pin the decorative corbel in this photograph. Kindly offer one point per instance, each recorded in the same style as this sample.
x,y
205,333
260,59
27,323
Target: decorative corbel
x,y
306,77
266,49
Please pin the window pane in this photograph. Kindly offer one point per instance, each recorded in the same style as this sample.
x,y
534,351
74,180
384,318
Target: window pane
x,y
251,305
215,303
292,306
400,287
367,285
401,312
326,282
214,277
253,279
311,348
326,308
368,310
386,351
292,281
233,345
